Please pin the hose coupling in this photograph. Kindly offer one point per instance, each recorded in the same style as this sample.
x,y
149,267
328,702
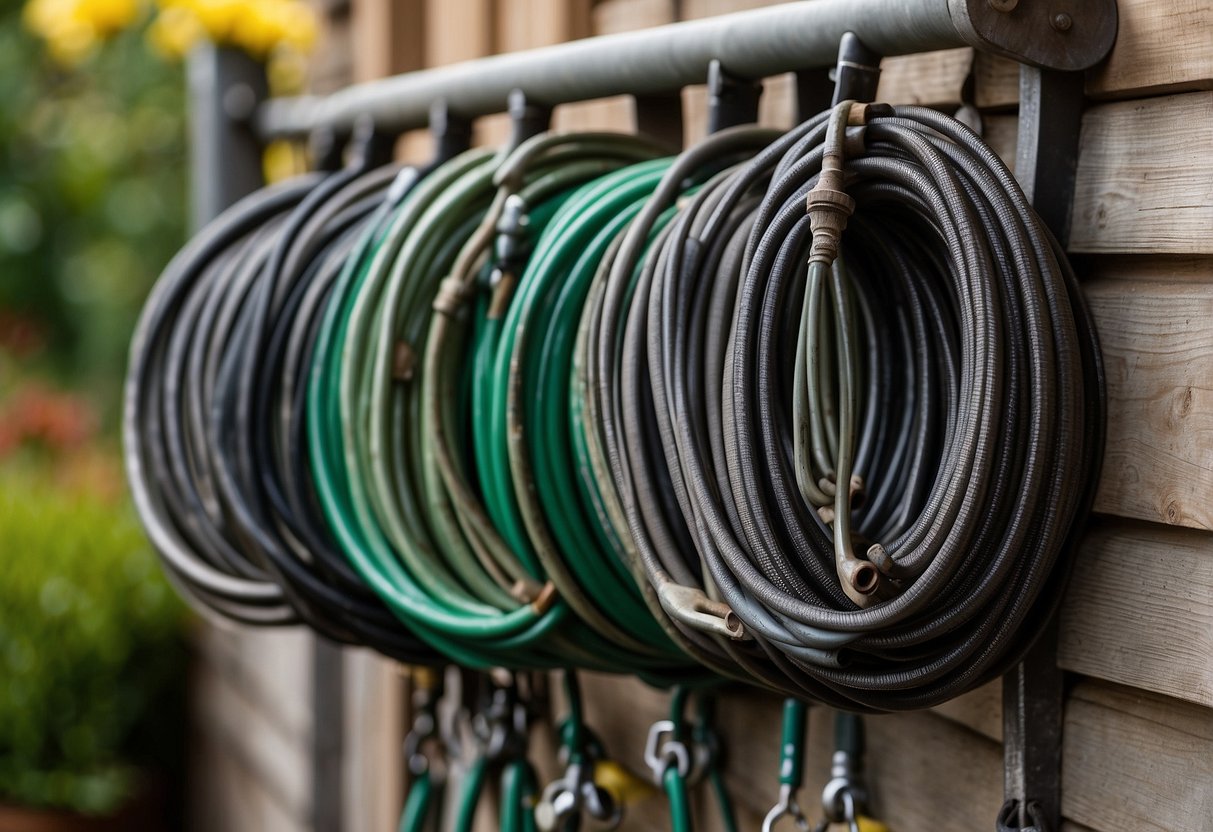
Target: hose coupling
x,y
691,606
452,293
829,209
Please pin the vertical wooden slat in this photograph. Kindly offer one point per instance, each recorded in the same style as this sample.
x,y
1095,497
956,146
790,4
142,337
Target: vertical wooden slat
x,y
389,37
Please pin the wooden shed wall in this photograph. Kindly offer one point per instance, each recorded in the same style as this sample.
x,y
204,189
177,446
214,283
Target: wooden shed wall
x,y
1137,626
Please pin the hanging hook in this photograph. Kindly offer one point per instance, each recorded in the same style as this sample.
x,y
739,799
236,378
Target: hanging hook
x,y
791,767
731,100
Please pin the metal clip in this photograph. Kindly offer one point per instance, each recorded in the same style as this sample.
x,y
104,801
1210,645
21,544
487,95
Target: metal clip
x,y
787,807
659,756
425,728
577,794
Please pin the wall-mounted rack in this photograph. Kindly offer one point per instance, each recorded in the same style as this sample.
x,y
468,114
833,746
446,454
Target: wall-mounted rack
x,y
751,44
1053,42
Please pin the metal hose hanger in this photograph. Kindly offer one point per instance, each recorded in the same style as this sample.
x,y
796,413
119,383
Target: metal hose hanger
x,y
820,410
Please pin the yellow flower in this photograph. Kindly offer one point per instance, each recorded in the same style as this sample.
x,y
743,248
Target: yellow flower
x,y
107,17
175,31
73,28
281,160
219,18
286,71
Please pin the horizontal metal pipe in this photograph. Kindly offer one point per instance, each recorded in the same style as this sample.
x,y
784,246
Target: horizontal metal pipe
x,y
750,44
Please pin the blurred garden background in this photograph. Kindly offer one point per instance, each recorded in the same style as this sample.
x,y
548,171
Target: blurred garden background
x,y
92,205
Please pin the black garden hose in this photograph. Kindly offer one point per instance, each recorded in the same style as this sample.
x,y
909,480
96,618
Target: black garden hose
x,y
214,411
977,411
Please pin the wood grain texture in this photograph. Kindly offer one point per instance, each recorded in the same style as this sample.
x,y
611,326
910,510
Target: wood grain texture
x,y
995,82
978,710
1158,355
1145,177
931,78
1139,610
526,24
1137,761
274,764
457,30
373,775
390,37
610,16
1160,47
270,668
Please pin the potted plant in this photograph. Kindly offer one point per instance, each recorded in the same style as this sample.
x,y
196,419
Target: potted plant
x,y
91,656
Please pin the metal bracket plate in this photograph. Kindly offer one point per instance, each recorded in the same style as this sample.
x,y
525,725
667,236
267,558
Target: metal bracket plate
x,y
1065,35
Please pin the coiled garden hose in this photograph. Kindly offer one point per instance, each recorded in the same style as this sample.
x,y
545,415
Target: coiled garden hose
x,y
977,432
218,478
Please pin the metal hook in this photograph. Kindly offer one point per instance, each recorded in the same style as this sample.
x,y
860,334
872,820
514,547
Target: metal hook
x,y
787,807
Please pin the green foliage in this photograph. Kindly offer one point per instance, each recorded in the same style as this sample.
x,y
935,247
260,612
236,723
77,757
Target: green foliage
x,y
90,643
92,194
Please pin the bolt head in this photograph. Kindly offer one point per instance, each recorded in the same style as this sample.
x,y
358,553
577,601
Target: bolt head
x,y
1003,5
1062,22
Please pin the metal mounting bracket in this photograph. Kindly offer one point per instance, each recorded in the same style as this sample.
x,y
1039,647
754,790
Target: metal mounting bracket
x,y
1068,35
659,116
731,100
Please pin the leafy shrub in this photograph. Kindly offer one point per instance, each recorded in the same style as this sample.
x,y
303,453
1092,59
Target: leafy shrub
x,y
90,643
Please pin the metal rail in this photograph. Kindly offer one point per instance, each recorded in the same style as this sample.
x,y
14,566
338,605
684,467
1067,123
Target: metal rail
x,y
749,45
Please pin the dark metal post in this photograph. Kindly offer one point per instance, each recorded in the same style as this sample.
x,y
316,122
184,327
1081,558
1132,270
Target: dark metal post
x,y
226,87
1050,117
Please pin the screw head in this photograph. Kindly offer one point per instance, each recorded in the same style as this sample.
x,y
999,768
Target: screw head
x,y
1062,22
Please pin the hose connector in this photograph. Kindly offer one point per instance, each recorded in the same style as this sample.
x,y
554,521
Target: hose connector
x,y
692,607
829,206
829,209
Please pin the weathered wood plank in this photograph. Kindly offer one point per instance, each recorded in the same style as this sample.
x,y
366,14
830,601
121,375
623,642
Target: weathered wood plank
x,y
236,728
390,37
373,774
1137,761
978,710
1139,610
610,16
525,24
458,30
1158,354
995,82
1160,47
930,79
1145,177
1152,268
272,669
225,794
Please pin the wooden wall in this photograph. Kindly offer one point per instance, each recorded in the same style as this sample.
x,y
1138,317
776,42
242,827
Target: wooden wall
x,y
1137,627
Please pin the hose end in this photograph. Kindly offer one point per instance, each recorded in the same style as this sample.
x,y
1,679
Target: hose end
x,y
693,608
